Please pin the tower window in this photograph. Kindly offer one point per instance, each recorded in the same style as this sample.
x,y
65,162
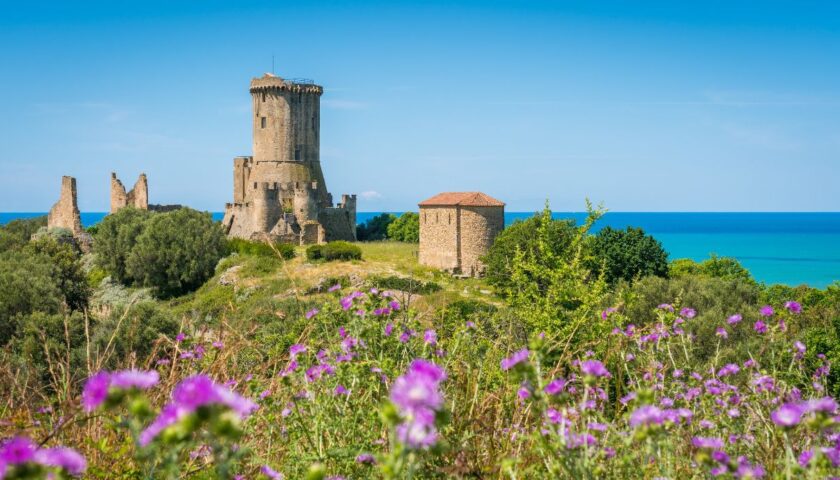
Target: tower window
x,y
263,96
262,122
297,154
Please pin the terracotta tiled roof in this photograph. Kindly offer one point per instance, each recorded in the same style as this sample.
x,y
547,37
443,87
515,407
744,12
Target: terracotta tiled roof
x,y
464,199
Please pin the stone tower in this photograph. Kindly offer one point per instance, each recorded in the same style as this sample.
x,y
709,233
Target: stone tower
x,y
138,197
281,187
65,213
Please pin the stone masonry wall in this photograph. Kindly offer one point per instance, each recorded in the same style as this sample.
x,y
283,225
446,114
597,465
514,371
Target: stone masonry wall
x,y
439,237
479,228
65,213
138,197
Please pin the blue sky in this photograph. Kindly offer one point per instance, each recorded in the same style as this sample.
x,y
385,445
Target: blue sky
x,y
645,106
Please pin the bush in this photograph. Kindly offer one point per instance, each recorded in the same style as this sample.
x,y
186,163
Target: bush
x,y
17,233
69,272
337,250
523,235
261,249
406,228
116,238
315,252
176,252
27,285
725,268
133,334
627,255
375,228
405,284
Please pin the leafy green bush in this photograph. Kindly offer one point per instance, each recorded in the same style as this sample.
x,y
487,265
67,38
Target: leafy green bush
x,y
375,228
523,235
261,249
69,273
337,250
627,254
406,228
135,332
27,285
405,284
116,238
17,233
176,251
726,268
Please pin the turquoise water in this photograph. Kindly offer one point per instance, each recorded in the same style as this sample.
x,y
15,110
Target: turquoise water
x,y
787,248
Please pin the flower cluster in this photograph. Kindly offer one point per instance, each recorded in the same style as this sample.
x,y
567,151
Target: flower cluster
x,y
103,384
417,396
22,455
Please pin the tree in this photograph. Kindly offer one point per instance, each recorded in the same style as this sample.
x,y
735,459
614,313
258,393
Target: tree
x,y
69,273
523,236
406,228
175,252
17,233
726,268
116,236
375,228
27,285
627,255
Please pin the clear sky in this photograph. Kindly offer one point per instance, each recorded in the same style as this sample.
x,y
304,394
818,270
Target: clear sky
x,y
646,106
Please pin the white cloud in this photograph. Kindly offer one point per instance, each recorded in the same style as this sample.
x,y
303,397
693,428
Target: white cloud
x,y
370,195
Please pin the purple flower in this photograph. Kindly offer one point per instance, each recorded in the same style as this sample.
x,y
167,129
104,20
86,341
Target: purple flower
x,y
470,324
139,379
96,391
430,337
825,405
793,307
594,368
709,443
555,386
646,415
721,332
312,313
64,458
606,313
766,311
388,329
760,327
296,349
515,359
180,337
341,390
334,288
688,313
366,458
395,305
346,303
805,458
666,306
218,345
417,396
18,450
729,369
734,319
271,473
788,415
523,393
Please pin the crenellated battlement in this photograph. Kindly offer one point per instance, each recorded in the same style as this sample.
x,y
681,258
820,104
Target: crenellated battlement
x,y
272,82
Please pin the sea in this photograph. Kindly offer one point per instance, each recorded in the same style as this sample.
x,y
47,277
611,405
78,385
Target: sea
x,y
785,248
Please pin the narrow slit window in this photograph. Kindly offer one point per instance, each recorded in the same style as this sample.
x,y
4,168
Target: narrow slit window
x,y
297,154
262,122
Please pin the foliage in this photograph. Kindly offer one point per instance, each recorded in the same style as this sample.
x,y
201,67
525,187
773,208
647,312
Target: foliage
x,y
627,254
405,284
726,268
116,238
27,285
554,291
261,249
522,236
375,228
69,273
135,333
406,228
337,250
17,233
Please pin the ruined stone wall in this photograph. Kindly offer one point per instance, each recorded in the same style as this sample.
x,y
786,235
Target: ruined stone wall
x,y
336,224
65,213
138,197
241,178
439,237
479,228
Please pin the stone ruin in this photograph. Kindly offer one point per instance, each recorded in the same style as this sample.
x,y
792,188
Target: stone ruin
x,y
137,197
280,193
65,213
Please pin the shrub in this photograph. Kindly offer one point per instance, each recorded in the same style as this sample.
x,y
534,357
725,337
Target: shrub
x,y
132,333
116,238
341,250
17,233
69,273
523,235
261,249
315,252
27,285
726,268
176,252
375,228
406,228
627,255
405,284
